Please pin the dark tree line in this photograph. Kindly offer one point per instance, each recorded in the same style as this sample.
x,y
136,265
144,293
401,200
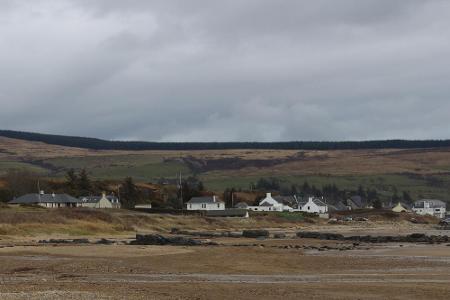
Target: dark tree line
x,y
99,144
331,192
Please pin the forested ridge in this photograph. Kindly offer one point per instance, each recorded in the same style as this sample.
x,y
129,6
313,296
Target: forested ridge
x,y
99,144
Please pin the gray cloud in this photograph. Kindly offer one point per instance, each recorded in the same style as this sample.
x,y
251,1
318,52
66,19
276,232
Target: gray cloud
x,y
226,70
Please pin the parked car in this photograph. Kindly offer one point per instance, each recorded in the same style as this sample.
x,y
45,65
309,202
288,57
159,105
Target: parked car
x,y
445,222
349,218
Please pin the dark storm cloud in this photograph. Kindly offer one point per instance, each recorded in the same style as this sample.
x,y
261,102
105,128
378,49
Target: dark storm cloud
x,y
226,70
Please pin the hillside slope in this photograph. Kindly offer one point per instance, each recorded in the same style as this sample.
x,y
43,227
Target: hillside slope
x,y
422,172
99,144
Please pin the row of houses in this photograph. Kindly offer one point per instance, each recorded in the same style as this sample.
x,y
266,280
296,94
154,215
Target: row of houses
x,y
432,207
64,200
270,203
436,208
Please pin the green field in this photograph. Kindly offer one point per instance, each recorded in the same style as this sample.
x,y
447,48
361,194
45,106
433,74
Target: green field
x,y
17,165
140,167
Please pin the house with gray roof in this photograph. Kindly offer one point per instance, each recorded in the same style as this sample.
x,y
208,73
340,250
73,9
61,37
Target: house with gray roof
x,y
241,205
205,203
103,201
339,206
431,207
313,205
48,200
269,203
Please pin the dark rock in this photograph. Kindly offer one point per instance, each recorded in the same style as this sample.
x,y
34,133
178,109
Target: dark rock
x,y
156,239
80,241
319,235
255,233
104,242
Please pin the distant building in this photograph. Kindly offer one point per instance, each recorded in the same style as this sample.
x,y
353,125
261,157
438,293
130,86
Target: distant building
x,y
205,203
339,206
431,207
269,203
313,205
143,206
48,200
400,207
103,201
241,205
355,202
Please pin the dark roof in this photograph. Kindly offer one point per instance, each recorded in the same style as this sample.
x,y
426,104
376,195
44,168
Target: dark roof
x,y
433,203
233,212
357,201
44,198
90,199
241,205
317,201
95,199
287,200
339,206
205,199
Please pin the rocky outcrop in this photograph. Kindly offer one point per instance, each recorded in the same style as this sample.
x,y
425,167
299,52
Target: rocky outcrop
x,y
157,239
255,233
412,238
206,234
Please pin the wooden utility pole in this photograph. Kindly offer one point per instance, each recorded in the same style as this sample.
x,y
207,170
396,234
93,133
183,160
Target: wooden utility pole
x,y
180,184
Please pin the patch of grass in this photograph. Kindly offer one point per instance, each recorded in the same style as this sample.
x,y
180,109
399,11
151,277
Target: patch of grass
x,y
141,167
20,166
145,172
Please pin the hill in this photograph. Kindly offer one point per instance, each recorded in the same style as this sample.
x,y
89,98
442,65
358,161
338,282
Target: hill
x,y
99,144
423,172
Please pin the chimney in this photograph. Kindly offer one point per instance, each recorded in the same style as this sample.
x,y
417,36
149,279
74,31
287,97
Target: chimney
x,y
53,195
268,195
214,198
41,192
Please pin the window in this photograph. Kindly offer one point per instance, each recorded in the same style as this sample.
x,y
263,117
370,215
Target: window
x,y
309,207
218,205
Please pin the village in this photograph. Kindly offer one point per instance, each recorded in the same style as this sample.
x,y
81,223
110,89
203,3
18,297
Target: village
x,y
214,207
285,247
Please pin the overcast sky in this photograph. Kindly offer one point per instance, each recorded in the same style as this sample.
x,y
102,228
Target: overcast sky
x,y
234,70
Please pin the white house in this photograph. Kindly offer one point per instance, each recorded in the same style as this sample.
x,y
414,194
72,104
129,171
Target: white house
x,y
431,207
205,203
270,204
313,205
103,201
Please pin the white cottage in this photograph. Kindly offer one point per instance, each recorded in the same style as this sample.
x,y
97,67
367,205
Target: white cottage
x,y
205,203
48,200
103,201
270,204
430,207
314,205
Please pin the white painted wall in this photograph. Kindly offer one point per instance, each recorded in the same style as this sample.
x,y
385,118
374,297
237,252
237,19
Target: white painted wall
x,y
427,210
274,205
217,205
312,207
